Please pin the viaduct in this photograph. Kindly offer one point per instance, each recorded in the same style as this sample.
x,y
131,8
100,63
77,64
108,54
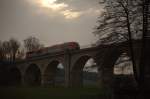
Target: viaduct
x,y
42,70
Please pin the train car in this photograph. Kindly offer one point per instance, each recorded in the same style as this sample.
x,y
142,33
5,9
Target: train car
x,y
33,53
54,48
71,46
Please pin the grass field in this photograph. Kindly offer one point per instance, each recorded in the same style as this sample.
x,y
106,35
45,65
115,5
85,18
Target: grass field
x,y
51,93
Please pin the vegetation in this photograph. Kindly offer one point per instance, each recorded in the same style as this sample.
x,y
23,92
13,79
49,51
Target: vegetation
x,y
9,50
32,43
12,50
52,93
121,20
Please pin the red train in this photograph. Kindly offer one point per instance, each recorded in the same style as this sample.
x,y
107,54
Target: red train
x,y
54,48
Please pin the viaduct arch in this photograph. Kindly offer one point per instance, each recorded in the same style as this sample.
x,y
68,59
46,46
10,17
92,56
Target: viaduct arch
x,y
32,75
50,73
15,76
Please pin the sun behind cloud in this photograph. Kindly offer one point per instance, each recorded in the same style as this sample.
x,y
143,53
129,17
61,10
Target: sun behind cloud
x,y
51,4
55,8
61,8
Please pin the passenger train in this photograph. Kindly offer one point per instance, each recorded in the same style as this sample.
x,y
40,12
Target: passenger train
x,y
54,48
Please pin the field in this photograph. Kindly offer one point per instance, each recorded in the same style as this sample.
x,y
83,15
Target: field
x,y
51,93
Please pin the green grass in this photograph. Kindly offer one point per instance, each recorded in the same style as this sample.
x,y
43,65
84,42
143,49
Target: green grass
x,y
51,93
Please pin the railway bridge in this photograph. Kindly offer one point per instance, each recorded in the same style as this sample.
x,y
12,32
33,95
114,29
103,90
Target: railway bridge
x,y
41,70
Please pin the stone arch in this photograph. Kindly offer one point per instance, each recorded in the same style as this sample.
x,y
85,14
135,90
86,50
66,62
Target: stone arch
x,y
124,78
50,74
77,70
33,75
119,53
110,56
14,76
122,63
107,70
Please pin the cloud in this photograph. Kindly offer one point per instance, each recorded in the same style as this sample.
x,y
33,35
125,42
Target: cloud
x,y
51,4
69,14
53,8
69,9
23,18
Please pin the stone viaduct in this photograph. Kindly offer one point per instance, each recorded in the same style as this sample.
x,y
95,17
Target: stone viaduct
x,y
41,70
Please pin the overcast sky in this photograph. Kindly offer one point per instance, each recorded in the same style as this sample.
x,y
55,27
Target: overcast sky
x,y
52,21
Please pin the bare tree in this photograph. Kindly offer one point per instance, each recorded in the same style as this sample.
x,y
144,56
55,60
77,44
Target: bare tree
x,y
20,54
6,48
9,50
32,43
14,45
121,21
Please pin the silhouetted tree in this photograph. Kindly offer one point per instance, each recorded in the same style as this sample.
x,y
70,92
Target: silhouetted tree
x,y
144,61
14,47
21,54
6,48
32,43
9,50
121,21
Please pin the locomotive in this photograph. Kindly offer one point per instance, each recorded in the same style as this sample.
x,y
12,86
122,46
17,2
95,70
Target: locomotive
x,y
54,48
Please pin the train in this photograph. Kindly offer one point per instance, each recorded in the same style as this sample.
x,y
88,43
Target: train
x,y
53,49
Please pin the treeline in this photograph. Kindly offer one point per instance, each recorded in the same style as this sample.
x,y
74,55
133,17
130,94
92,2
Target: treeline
x,y
12,49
